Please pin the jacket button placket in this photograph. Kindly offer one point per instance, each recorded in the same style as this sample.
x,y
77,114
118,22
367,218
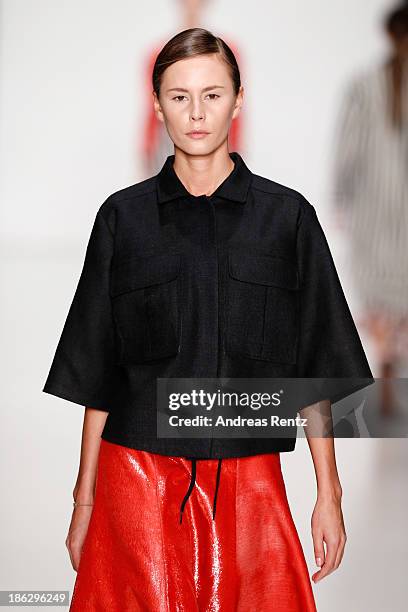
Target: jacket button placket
x,y
214,245
213,264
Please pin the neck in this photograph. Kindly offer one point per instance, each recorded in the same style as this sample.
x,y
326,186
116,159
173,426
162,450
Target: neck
x,y
201,174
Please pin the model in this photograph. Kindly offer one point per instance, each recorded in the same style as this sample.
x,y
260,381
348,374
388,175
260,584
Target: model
x,y
205,270
371,195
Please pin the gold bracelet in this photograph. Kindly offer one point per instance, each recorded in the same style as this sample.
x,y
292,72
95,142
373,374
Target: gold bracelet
x,y
75,504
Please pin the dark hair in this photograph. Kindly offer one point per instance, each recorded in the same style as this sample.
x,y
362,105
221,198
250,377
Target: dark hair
x,y
396,22
189,43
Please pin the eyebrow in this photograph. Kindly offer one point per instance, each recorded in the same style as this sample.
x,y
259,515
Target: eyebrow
x,y
205,88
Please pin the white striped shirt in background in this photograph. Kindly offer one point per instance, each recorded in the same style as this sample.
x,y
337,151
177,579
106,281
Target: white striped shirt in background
x,y
371,186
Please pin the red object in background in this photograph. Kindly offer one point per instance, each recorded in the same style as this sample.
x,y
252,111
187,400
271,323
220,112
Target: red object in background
x,y
137,556
156,144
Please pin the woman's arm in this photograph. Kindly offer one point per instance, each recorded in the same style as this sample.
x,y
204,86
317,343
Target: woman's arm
x,y
84,490
327,518
94,422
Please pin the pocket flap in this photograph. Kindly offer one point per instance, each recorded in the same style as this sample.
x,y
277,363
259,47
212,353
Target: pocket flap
x,y
263,270
140,272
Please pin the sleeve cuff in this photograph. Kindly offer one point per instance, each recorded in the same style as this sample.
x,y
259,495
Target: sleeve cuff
x,y
77,397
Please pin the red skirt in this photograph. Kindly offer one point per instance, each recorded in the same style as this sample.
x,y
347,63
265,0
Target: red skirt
x,y
138,556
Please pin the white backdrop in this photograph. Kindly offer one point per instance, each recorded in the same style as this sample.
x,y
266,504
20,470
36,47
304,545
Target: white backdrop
x,y
71,111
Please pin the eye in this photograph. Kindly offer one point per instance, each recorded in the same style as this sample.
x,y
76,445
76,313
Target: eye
x,y
179,96
213,94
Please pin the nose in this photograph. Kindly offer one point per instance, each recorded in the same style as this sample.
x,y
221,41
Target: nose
x,y
197,112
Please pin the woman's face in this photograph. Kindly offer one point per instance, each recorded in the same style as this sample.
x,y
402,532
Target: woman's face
x,y
197,94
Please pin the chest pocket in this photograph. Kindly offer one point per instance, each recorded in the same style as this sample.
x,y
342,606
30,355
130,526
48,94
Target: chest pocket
x,y
262,305
145,294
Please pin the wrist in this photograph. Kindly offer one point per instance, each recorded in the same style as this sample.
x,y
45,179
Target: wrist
x,y
83,495
332,492
89,505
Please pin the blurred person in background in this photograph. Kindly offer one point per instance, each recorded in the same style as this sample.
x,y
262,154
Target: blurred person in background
x,y
155,144
371,199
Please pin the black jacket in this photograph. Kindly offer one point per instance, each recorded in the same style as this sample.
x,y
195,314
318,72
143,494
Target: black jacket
x,y
238,284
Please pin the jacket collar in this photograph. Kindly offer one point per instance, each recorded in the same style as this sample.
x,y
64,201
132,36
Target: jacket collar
x,y
234,187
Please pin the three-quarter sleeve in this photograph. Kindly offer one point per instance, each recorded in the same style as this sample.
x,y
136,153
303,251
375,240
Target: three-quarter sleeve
x,y
329,345
83,369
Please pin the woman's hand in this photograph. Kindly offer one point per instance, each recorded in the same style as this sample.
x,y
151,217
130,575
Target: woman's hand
x,y
77,532
328,527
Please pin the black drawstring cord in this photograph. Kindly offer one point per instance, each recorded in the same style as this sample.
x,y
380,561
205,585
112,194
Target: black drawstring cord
x,y
217,483
190,488
191,485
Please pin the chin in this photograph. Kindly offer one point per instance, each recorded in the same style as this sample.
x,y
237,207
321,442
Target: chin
x,y
195,149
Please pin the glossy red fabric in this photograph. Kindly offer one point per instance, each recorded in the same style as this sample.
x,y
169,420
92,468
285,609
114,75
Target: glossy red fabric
x,y
138,557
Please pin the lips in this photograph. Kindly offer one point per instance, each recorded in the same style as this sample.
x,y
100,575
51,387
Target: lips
x,y
197,134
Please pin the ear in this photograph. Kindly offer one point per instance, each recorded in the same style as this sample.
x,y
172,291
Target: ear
x,y
157,107
239,100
